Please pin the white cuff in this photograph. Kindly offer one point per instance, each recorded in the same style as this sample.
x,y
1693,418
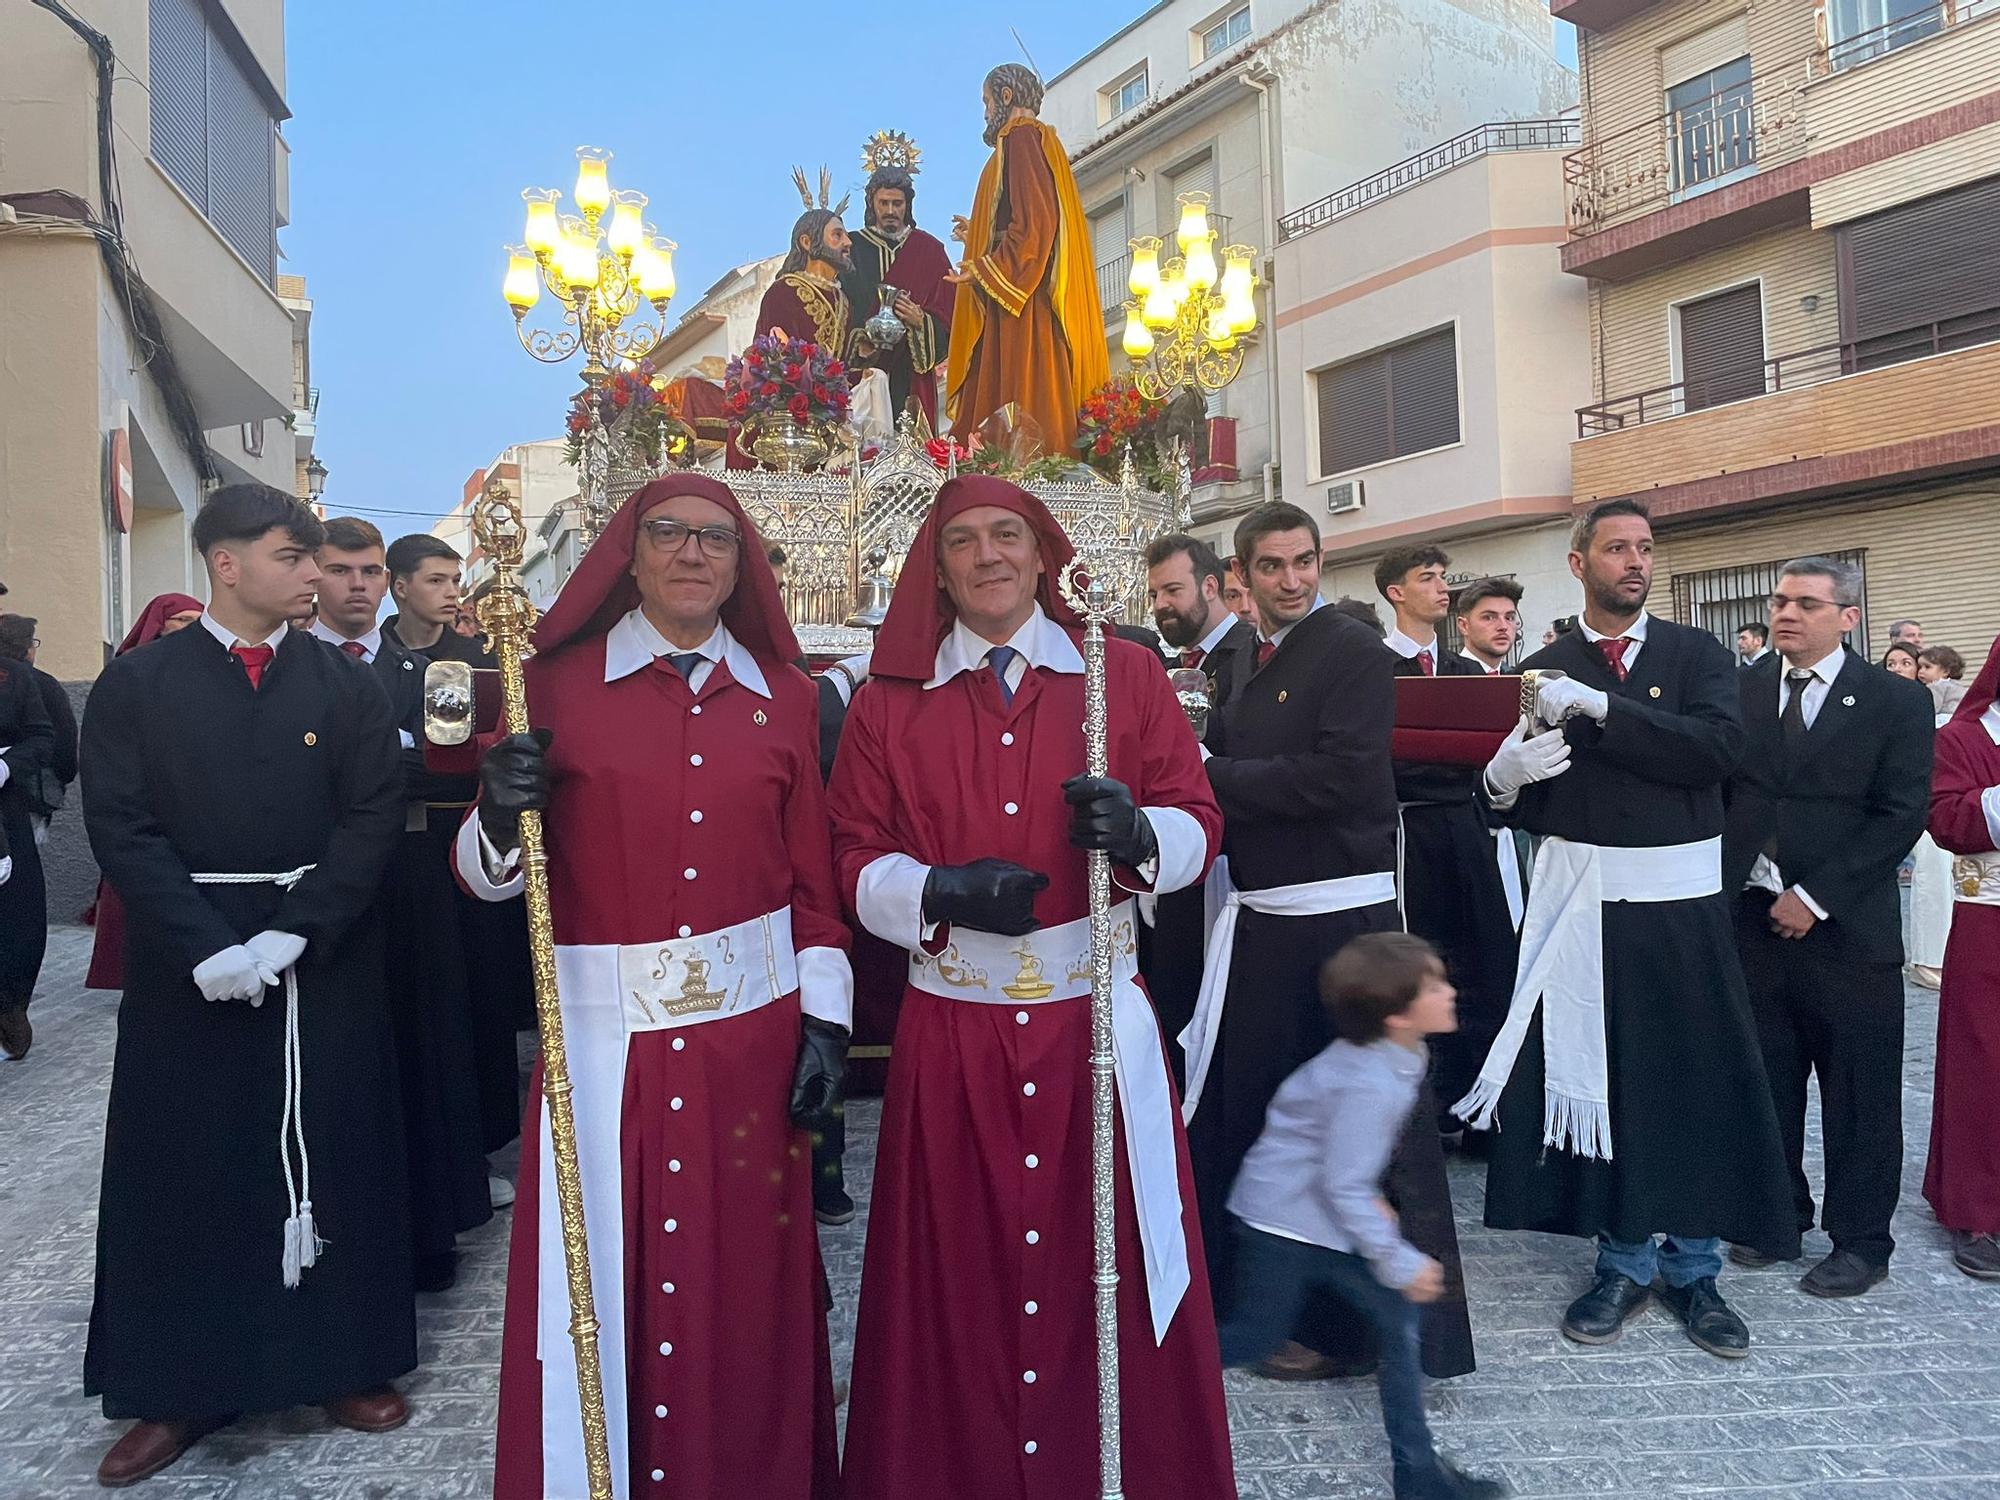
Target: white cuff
x,y
1500,801
1989,803
826,986
889,899
1183,856
484,869
1811,905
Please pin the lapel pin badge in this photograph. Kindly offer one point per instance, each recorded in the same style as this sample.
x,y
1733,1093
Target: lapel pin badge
x,y
1652,692
758,718
1283,695
311,738
1848,701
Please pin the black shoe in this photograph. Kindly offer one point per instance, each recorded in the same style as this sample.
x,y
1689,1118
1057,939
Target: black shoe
x,y
834,1207
1711,1323
1449,1482
1843,1274
1600,1314
436,1273
1754,1260
1976,1254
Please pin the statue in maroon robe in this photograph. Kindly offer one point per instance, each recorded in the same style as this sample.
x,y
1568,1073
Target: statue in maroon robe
x,y
807,303
898,265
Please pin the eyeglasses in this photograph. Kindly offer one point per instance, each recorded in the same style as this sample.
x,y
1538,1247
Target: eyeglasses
x,y
1806,605
715,541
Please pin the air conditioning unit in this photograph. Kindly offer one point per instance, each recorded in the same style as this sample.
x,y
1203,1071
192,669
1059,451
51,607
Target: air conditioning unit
x,y
1343,496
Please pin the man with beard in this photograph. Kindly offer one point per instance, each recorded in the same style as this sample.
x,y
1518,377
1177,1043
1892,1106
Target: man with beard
x,y
1489,621
430,1002
1184,588
1629,988
1301,768
974,1369
1454,895
705,991
892,256
807,303
1026,329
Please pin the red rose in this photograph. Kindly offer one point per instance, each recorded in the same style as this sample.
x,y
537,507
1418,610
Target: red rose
x,y
820,395
770,388
801,409
740,401
794,371
1103,444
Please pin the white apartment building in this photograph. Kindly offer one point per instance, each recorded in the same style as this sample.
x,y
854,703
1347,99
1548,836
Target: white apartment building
x,y
1264,103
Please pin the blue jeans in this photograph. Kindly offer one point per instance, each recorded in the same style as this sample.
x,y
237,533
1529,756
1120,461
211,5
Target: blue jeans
x,y
1273,1277
1678,1260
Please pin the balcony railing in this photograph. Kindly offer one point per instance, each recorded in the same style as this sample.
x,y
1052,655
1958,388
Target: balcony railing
x,y
1789,372
1113,275
1481,140
1740,130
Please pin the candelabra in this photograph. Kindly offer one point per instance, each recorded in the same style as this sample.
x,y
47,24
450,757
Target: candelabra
x,y
1185,327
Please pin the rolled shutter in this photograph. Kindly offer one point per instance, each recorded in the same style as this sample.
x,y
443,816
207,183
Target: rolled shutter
x,y
1423,393
1920,263
1389,404
1705,51
1354,414
177,92
1722,347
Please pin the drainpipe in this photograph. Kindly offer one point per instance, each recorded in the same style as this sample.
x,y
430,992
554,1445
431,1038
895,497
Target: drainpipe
x,y
1260,77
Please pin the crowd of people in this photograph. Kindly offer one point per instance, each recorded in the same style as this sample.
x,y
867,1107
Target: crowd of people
x,y
1607,949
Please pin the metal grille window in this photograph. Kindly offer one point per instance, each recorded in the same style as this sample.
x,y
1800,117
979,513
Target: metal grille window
x,y
1723,600
1710,121
1389,404
212,131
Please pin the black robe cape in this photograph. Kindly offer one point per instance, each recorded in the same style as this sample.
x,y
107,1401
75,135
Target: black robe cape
x,y
1694,1133
187,769
1303,774
29,740
430,996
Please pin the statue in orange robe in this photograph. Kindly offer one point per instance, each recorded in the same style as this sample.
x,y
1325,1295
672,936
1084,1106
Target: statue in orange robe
x,y
1026,327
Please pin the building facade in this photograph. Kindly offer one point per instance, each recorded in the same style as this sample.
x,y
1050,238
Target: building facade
x,y
1264,103
1431,352
1786,215
150,348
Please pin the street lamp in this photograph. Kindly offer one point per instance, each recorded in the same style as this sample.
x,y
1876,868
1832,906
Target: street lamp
x,y
1188,317
315,479
602,264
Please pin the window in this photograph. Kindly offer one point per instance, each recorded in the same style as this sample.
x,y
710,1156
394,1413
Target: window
x,y
1858,30
1389,404
1722,347
213,132
1921,278
1721,600
1710,126
1196,175
1225,33
1130,93
1111,246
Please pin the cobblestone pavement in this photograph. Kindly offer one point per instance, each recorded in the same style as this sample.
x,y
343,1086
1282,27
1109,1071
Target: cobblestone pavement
x,y
1895,1396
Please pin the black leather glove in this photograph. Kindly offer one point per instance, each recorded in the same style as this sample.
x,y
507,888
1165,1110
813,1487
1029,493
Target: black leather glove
x,y
992,895
513,777
820,1073
1107,818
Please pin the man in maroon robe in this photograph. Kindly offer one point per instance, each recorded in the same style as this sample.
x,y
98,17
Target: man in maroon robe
x,y
705,994
1962,1179
959,818
893,261
806,303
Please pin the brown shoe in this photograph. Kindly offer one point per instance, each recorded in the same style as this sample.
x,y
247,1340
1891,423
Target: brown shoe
x,y
150,1447
16,1035
1294,1361
1977,1255
370,1411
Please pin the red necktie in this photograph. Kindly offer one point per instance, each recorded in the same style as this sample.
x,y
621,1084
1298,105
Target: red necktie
x,y
1424,663
255,659
1613,649
1265,651
1192,656
355,649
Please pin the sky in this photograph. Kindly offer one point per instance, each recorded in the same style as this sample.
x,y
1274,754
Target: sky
x,y
416,123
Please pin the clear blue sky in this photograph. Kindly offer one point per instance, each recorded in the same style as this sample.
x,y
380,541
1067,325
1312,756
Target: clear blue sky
x,y
415,127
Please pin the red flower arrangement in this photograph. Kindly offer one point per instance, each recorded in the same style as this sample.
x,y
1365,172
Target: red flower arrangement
x,y
1113,417
777,376
632,405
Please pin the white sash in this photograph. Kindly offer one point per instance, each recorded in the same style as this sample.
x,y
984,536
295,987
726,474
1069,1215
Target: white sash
x,y
982,967
609,991
1312,899
1562,964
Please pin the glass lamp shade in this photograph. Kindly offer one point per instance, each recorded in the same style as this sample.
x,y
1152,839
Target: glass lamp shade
x,y
523,286
544,229
1241,310
1138,341
1194,219
1217,331
653,266
1160,307
1236,272
576,263
628,217
1145,265
593,181
1201,271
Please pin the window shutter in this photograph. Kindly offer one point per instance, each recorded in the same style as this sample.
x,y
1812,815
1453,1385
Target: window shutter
x,y
1388,404
1197,176
241,162
1704,51
1354,414
178,94
1722,348
1921,263
1423,409
1109,235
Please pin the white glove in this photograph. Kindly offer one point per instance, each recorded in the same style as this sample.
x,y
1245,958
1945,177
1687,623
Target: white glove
x,y
6,868
276,951
1523,758
856,667
233,974
1564,696
5,769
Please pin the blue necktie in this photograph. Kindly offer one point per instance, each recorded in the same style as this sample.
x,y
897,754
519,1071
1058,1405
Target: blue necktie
x,y
684,662
1000,658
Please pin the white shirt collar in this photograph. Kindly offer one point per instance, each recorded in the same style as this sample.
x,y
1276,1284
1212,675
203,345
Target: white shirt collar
x,y
633,643
215,628
1222,628
1408,646
371,643
1825,669
1277,638
1637,632
1479,662
1756,656
1040,641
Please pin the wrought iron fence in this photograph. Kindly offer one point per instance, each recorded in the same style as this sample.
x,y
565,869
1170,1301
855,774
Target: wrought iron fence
x,y
1723,600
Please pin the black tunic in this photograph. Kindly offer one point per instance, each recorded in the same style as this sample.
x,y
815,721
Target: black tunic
x,y
1453,897
1694,1133
430,997
1301,768
28,739
187,769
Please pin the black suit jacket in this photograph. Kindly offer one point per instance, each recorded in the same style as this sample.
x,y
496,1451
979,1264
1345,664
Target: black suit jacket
x,y
1301,765
1845,806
